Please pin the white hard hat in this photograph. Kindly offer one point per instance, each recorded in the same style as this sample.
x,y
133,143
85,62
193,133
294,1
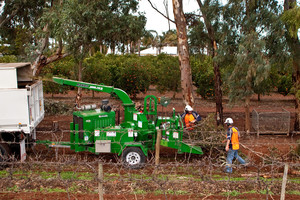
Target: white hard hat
x,y
188,108
228,121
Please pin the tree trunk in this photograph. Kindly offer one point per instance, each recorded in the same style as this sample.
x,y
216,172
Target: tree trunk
x,y
247,114
218,90
218,94
132,47
139,47
294,45
80,70
79,90
183,50
100,48
296,83
217,73
42,60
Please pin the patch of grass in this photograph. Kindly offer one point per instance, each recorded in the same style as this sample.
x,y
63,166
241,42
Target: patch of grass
x,y
295,192
13,189
141,176
56,190
68,175
226,178
233,193
140,191
112,174
295,180
86,176
250,192
74,188
17,172
265,192
51,190
158,192
172,192
3,173
181,192
47,175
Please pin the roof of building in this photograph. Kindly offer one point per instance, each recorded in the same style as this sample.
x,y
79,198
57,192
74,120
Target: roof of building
x,y
154,51
15,65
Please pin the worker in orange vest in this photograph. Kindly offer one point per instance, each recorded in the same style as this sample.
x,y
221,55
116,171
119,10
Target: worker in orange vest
x,y
232,145
190,117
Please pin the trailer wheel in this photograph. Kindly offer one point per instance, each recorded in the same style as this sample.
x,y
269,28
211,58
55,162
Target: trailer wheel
x,y
133,157
4,153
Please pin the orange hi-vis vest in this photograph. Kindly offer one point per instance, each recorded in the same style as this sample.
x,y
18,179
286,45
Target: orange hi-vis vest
x,y
187,119
235,138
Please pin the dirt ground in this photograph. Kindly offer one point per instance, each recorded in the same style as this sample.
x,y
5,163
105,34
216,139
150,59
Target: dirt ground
x,y
253,147
61,196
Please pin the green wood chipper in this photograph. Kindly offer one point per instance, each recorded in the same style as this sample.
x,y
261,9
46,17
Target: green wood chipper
x,y
95,129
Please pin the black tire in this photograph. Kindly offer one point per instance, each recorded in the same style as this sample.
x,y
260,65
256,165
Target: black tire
x,y
4,153
133,158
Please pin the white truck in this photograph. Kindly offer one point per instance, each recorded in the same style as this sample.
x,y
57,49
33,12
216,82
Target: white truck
x,y
21,108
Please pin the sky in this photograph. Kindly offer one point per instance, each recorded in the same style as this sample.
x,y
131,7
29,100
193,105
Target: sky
x,y
157,22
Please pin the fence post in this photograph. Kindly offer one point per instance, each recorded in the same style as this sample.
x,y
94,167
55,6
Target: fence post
x,y
284,179
100,179
55,126
157,147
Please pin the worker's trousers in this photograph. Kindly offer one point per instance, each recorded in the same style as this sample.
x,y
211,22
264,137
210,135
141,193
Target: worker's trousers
x,y
230,155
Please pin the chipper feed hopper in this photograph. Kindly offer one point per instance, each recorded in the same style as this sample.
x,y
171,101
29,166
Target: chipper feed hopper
x,y
95,129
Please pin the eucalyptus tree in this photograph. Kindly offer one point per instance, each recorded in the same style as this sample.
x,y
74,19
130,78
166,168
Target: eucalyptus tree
x,y
169,38
291,17
131,31
70,25
183,49
183,53
209,35
148,39
250,25
77,24
18,21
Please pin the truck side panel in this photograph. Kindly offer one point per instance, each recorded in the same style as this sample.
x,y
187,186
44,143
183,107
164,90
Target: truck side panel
x,y
21,109
14,114
36,103
8,78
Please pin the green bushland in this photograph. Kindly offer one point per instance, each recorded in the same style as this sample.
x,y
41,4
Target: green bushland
x,y
134,74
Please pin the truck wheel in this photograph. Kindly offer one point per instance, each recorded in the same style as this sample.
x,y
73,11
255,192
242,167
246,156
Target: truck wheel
x,y
4,152
133,157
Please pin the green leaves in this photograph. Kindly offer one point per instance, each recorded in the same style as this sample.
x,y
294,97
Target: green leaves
x,y
292,18
203,75
251,67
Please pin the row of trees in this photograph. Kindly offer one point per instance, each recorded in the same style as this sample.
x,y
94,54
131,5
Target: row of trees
x,y
49,30
253,38
135,74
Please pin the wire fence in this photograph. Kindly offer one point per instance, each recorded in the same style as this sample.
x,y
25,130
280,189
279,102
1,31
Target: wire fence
x,y
276,122
176,175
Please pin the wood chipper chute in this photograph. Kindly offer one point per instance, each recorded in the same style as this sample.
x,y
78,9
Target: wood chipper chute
x,y
95,129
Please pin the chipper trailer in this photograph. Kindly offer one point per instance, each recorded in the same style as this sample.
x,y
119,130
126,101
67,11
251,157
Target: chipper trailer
x,y
95,129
